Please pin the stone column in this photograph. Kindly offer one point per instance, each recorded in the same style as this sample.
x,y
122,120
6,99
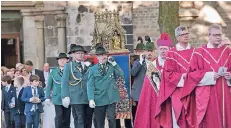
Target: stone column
x,y
61,25
40,45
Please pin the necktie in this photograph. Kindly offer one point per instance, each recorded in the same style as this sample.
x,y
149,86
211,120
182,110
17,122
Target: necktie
x,y
80,67
104,66
61,72
34,91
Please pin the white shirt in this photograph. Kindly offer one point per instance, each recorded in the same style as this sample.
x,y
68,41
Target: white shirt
x,y
33,71
180,48
8,87
34,107
18,89
46,74
209,45
161,61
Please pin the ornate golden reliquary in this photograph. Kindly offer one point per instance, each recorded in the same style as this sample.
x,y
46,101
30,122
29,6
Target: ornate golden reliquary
x,y
109,32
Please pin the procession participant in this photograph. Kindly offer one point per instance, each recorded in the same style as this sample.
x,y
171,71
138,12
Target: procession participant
x,y
147,103
62,114
103,93
209,82
169,111
138,71
74,87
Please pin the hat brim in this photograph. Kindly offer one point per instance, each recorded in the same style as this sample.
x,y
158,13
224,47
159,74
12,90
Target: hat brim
x,y
101,53
76,51
62,57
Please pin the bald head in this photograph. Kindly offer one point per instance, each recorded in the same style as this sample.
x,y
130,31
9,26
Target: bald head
x,y
46,67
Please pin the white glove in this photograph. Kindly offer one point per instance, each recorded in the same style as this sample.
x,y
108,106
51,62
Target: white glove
x,y
66,102
111,60
92,104
141,59
87,63
48,102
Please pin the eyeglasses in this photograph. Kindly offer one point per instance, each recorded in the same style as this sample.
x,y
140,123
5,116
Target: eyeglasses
x,y
184,34
216,35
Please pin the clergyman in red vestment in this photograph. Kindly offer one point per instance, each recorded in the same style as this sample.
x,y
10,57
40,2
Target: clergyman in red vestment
x,y
147,102
209,83
169,110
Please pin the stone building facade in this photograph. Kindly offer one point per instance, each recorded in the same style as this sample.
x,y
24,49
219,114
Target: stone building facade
x,y
49,27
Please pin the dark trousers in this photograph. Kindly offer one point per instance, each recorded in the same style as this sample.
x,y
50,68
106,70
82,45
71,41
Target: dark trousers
x,y
100,113
127,123
20,120
134,111
82,115
32,118
62,116
8,119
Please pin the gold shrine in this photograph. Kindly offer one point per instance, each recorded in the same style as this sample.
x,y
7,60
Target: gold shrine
x,y
109,32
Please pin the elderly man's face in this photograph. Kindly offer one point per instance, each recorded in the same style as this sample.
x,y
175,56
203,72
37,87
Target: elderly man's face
x,y
46,67
215,36
163,50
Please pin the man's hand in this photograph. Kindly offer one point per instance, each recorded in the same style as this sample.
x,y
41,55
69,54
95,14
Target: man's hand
x,y
111,60
216,76
66,102
92,104
32,100
227,75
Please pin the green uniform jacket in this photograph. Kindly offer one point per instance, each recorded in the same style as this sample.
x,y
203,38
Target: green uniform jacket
x,y
74,83
54,85
102,88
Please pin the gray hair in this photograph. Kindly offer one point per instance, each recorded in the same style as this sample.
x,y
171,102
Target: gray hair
x,y
179,29
215,26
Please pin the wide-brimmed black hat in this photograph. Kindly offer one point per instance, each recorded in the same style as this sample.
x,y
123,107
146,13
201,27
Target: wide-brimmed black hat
x,y
62,55
76,48
100,50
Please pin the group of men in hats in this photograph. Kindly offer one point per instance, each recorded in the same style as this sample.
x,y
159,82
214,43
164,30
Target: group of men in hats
x,y
84,88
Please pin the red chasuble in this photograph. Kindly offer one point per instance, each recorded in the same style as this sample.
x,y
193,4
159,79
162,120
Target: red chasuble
x,y
145,112
176,64
212,105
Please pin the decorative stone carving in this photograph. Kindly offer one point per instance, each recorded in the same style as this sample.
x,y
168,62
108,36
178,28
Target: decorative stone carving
x,y
39,4
61,20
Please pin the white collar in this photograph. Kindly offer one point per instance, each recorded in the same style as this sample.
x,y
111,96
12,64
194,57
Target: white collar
x,y
19,88
8,86
180,48
161,61
209,45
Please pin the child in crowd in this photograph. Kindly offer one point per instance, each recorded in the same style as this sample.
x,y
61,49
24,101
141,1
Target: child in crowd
x,y
16,105
7,90
33,96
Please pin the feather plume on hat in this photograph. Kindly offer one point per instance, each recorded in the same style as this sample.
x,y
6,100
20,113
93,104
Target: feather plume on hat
x,y
164,40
